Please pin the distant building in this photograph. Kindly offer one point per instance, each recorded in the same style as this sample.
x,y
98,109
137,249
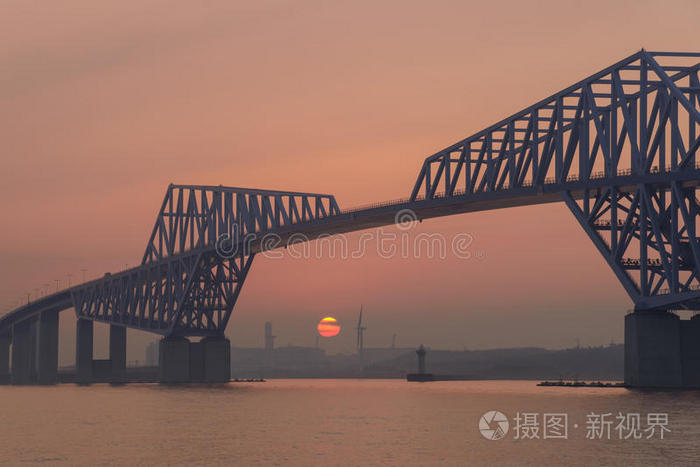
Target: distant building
x,y
296,357
281,361
378,354
293,361
152,354
269,343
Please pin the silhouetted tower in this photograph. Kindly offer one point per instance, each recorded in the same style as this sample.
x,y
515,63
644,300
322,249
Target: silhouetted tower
x,y
269,338
360,336
393,341
421,359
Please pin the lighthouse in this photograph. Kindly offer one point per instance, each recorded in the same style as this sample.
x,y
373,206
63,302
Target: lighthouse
x,y
421,376
421,359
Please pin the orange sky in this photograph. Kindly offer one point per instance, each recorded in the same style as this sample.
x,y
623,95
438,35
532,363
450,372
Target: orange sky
x,y
105,103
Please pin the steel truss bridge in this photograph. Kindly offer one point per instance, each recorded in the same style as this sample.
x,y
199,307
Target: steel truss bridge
x,y
619,148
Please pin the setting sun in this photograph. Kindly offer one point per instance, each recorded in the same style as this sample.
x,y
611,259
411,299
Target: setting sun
x,y
328,327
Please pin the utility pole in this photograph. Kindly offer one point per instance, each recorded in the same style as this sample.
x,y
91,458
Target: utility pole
x,y
83,271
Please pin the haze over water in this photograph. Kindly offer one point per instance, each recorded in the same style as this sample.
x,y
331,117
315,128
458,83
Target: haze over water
x,y
327,422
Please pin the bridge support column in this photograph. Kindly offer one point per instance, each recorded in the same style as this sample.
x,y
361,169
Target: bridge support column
x,y
83,351
174,360
197,361
24,352
5,341
217,359
47,348
652,349
690,351
117,353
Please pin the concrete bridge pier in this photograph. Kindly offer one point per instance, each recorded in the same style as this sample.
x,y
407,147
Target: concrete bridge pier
x,y
5,341
47,347
83,351
87,369
174,360
217,359
117,353
182,361
661,350
197,361
690,351
24,352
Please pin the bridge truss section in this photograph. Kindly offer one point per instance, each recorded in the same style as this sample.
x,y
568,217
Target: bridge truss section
x,y
193,217
621,149
187,285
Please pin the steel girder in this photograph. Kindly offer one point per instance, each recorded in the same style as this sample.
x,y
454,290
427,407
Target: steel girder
x,y
647,234
188,294
193,217
637,117
184,286
621,148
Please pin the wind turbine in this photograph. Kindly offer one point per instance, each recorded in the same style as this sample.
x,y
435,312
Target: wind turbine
x,y
360,335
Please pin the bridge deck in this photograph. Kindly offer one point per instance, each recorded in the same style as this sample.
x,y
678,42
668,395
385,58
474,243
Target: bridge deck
x,y
382,214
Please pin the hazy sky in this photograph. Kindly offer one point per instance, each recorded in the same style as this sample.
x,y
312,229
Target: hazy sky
x,y
102,104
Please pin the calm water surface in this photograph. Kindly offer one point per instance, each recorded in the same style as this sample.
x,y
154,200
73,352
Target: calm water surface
x,y
328,422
